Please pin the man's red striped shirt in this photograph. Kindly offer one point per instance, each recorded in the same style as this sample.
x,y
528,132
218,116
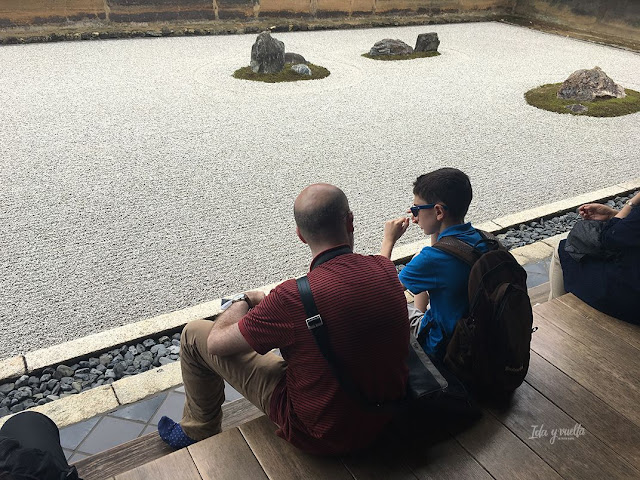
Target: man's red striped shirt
x,y
363,305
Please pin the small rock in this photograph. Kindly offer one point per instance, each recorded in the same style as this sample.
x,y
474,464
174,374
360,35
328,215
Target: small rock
x,y
52,398
77,386
119,369
290,57
82,370
148,343
51,384
140,348
22,381
45,378
18,407
6,387
101,368
84,364
109,374
4,411
576,108
164,339
174,349
128,356
105,359
176,336
66,380
33,381
63,371
94,362
427,42
166,361
301,69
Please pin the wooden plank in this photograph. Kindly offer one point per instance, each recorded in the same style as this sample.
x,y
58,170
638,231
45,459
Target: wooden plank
x,y
123,457
539,294
502,453
281,460
149,447
594,414
596,338
626,331
444,458
177,465
386,459
579,456
226,456
592,371
238,412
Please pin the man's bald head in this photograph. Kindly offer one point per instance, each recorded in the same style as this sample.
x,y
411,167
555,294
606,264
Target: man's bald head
x,y
320,212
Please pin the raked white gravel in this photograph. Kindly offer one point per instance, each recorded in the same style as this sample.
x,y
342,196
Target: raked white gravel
x,y
138,177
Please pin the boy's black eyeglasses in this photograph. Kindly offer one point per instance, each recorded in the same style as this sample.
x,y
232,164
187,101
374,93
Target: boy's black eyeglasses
x,y
416,208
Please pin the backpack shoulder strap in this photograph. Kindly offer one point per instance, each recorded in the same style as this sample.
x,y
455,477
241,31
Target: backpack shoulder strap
x,y
458,249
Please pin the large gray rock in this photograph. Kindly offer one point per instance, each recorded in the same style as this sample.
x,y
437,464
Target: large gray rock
x,y
587,85
388,46
290,57
267,54
427,42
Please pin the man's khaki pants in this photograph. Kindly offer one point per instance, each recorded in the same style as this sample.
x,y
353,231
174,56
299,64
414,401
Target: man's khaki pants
x,y
254,376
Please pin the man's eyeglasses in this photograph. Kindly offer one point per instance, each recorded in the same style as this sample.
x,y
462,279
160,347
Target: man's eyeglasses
x,y
416,208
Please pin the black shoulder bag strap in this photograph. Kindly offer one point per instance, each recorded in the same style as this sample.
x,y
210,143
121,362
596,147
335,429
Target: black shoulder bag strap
x,y
321,335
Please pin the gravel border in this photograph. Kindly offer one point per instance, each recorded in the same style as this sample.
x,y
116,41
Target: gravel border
x,y
59,381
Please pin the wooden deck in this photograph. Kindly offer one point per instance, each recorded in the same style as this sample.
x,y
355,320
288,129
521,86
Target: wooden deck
x,y
584,378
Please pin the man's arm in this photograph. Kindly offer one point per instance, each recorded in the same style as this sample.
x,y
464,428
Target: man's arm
x,y
225,337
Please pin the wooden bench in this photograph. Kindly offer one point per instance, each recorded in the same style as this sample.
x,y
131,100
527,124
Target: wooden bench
x,y
584,377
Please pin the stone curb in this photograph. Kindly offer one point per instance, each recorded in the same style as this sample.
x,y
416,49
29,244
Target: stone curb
x,y
101,400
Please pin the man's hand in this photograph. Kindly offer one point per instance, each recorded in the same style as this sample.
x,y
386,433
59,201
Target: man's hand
x,y
255,297
596,211
393,230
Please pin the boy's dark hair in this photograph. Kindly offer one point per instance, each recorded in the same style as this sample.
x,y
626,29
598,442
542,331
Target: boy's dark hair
x,y
448,186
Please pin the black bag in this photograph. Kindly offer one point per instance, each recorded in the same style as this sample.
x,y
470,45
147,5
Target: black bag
x,y
424,382
489,349
584,241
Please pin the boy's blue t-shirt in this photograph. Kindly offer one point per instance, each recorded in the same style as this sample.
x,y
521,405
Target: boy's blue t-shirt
x,y
445,277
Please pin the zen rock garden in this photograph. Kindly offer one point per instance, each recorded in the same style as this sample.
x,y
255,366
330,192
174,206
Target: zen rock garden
x,y
270,63
586,92
389,49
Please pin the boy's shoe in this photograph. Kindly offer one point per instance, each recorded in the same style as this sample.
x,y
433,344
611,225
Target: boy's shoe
x,y
172,433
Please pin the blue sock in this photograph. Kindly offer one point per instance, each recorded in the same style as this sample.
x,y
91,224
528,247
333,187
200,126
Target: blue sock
x,y
172,433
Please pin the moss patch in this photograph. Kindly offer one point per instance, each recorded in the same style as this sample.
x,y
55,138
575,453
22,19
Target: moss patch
x,y
410,56
286,75
545,97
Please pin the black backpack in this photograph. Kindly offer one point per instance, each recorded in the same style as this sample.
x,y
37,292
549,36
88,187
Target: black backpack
x,y
489,349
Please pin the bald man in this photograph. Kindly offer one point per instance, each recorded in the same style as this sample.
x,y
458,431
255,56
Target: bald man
x,y
361,302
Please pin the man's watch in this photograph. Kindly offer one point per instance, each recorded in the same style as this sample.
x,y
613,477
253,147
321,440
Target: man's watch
x,y
240,297
631,204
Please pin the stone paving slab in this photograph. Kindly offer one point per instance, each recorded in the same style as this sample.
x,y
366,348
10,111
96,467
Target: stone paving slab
x,y
13,367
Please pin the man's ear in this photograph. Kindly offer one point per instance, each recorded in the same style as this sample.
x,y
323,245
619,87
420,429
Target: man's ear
x,y
300,235
350,228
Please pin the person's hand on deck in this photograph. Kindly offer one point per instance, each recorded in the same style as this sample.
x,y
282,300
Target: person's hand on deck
x,y
596,211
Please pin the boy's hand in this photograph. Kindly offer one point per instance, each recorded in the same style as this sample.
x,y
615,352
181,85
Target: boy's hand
x,y
394,229
596,211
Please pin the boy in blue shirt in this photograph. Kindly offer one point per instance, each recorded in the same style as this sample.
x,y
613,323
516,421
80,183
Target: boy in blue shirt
x,y
437,279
